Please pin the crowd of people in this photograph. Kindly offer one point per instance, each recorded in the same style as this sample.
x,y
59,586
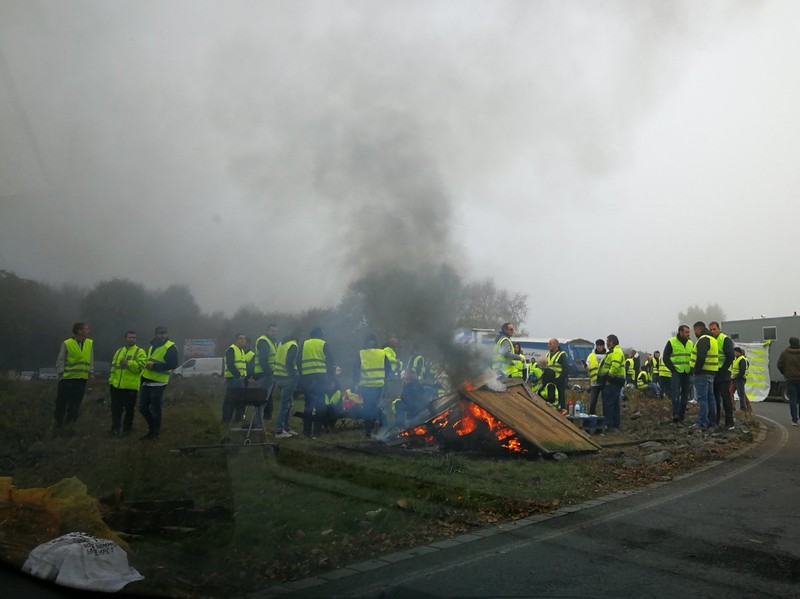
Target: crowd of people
x,y
711,368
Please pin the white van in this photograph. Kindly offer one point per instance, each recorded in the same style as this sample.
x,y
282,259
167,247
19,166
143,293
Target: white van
x,y
199,367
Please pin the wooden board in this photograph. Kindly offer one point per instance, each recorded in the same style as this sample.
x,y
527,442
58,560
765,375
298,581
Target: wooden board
x,y
532,419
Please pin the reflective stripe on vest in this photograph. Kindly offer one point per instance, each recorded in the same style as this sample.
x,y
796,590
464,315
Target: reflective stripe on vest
x,y
642,380
720,347
712,360
333,400
158,356
735,367
239,362
280,358
663,370
78,360
681,354
614,363
272,354
417,364
552,362
123,377
500,362
373,369
629,369
313,360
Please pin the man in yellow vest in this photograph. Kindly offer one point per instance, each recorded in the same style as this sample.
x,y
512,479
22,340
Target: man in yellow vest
x,y
677,353
739,370
264,370
369,376
162,359
704,363
286,379
124,381
315,367
235,373
722,381
612,377
75,364
504,355
593,361
557,360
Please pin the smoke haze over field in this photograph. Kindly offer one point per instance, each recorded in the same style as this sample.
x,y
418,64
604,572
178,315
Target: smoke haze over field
x,y
597,156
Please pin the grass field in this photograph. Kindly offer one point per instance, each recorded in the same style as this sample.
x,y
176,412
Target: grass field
x,y
261,516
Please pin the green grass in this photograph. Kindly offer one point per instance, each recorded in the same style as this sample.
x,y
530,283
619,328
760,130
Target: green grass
x,y
312,506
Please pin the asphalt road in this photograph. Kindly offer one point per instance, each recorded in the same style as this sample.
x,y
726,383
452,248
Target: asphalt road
x,y
729,531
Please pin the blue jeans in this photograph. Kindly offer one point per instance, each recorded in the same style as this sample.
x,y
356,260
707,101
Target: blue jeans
x,y
287,386
665,383
680,388
704,390
793,391
314,393
371,397
611,394
150,398
740,391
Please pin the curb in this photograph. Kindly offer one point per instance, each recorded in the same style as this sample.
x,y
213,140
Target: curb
x,y
391,558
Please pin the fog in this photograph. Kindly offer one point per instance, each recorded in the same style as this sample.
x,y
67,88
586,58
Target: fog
x,y
617,161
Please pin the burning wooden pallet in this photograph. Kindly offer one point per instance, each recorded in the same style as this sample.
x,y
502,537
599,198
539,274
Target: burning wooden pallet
x,y
513,420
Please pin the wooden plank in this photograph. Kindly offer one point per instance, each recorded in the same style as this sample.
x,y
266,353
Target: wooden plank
x,y
532,419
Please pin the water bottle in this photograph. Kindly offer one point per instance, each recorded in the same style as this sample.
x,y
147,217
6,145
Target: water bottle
x,y
578,407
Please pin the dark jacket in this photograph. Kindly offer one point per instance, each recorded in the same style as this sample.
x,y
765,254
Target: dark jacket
x,y
789,363
170,358
724,372
701,347
667,353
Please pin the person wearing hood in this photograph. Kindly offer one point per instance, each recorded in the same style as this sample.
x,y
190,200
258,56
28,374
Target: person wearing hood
x,y
789,367
162,359
704,363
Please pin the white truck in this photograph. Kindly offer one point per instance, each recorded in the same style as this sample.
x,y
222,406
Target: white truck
x,y
199,367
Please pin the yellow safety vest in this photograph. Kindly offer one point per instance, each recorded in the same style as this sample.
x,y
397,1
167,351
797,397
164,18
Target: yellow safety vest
x,y
735,366
712,357
629,369
78,360
594,366
552,362
272,355
500,362
642,380
333,400
720,346
392,355
663,371
681,354
373,367
239,362
158,356
130,376
280,358
613,364
313,360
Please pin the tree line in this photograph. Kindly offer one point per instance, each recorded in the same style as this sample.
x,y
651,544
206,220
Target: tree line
x,y
422,309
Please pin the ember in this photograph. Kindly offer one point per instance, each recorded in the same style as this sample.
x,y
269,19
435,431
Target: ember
x,y
467,420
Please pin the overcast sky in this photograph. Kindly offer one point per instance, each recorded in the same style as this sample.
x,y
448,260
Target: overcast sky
x,y
615,160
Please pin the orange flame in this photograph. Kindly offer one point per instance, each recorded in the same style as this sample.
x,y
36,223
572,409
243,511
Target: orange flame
x,y
472,415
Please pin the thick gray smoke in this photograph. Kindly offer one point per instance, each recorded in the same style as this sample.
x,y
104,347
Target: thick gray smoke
x,y
273,152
